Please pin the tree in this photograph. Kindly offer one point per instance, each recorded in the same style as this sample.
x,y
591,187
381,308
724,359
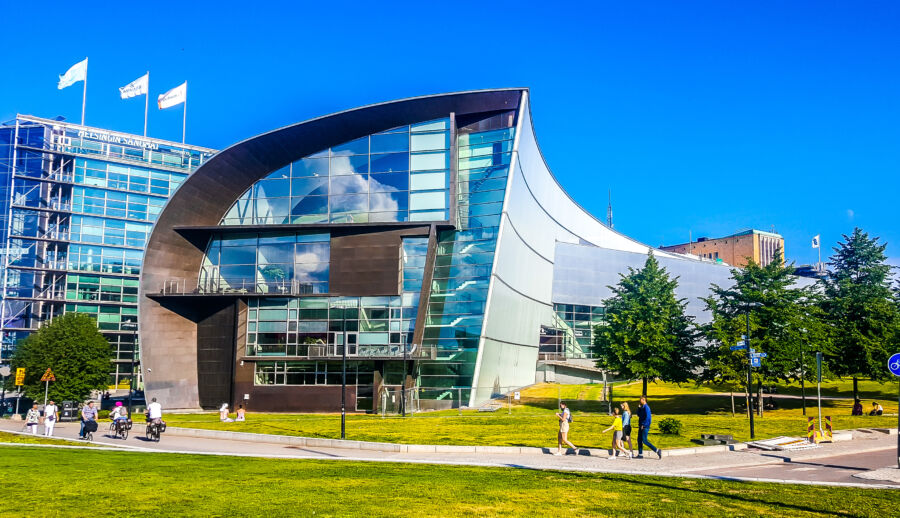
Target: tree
x,y
77,352
645,332
860,307
785,323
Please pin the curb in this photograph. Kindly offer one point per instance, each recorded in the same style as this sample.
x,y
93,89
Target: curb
x,y
315,442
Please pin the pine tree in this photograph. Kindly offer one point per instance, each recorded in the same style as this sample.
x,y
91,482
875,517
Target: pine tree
x,y
785,323
74,349
860,307
645,332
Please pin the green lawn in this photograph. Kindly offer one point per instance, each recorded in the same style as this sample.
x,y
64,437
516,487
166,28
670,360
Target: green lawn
x,y
177,485
532,423
38,439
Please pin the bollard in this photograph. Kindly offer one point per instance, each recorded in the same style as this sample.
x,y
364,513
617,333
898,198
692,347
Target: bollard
x,y
810,429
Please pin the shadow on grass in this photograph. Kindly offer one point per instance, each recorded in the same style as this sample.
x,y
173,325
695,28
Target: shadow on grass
x,y
640,481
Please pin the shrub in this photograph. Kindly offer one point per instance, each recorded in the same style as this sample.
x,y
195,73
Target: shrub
x,y
103,414
670,426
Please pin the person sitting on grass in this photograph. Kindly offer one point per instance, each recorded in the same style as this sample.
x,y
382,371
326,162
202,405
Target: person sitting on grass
x,y
223,414
617,445
876,409
241,414
857,408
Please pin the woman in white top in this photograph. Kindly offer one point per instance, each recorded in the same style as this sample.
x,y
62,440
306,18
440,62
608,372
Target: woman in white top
x,y
564,416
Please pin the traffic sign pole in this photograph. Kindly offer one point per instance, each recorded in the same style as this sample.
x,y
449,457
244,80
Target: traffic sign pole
x,y
749,378
894,367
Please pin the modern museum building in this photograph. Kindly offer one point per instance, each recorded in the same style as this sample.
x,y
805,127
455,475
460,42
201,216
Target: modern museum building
x,y
424,239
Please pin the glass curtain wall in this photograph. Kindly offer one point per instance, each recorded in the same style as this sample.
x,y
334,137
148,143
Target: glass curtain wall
x,y
278,263
464,259
397,175
572,333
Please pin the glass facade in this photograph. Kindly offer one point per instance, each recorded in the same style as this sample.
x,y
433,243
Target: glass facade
x,y
462,272
571,334
77,206
397,175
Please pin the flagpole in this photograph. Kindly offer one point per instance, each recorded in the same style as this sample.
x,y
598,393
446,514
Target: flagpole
x,y
84,92
146,102
184,119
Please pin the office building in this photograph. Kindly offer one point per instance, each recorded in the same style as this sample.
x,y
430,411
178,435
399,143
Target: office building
x,y
76,207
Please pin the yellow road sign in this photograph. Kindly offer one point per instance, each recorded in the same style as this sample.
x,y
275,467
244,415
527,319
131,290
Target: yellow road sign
x,y
20,376
48,376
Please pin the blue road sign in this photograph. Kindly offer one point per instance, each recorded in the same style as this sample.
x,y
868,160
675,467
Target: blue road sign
x,y
894,364
758,355
738,347
755,362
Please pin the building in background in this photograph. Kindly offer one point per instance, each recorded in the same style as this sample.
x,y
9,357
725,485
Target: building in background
x,y
424,238
76,207
735,249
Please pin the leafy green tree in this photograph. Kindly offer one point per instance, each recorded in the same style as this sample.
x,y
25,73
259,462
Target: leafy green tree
x,y
785,323
644,332
861,308
74,349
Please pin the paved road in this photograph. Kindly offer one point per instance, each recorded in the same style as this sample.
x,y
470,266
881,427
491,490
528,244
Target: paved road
x,y
830,463
838,468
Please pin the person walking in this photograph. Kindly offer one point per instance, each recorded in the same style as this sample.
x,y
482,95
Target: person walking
x,y
626,427
645,417
51,414
562,437
33,419
616,427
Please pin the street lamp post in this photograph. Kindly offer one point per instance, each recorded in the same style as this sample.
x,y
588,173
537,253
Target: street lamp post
x,y
133,327
343,389
403,381
803,374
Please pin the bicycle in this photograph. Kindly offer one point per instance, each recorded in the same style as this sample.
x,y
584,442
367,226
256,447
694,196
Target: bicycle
x,y
154,430
121,427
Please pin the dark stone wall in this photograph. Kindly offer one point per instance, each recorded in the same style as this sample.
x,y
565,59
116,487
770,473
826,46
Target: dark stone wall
x,y
215,356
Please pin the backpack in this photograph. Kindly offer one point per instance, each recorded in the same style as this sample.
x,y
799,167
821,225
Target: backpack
x,y
570,416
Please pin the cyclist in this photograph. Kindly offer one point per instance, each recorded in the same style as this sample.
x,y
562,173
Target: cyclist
x,y
119,413
154,412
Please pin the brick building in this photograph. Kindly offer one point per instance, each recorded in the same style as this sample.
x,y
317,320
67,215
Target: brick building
x,y
734,249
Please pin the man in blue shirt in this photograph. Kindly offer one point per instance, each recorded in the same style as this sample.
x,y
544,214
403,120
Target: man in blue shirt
x,y
644,420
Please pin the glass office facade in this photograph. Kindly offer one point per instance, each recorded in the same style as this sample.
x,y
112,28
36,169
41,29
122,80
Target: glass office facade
x,y
397,175
400,175
78,205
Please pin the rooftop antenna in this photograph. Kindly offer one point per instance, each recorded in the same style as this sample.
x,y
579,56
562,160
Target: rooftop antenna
x,y
609,221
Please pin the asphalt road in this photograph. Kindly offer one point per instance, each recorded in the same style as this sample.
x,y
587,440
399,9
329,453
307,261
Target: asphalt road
x,y
838,468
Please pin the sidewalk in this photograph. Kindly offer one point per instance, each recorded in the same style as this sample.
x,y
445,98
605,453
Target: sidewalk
x,y
597,461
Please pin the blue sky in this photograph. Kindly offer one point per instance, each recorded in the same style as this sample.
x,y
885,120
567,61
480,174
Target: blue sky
x,y
702,117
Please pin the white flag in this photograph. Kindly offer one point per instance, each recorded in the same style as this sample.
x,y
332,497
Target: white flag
x,y
173,97
135,88
78,72
815,241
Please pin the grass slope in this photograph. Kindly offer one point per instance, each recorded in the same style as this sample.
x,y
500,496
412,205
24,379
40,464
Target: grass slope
x,y
185,485
531,421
